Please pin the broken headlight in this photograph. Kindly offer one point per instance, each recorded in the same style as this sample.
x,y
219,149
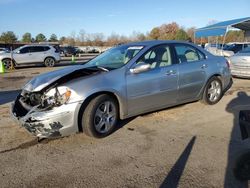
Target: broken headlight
x,y
35,98
57,99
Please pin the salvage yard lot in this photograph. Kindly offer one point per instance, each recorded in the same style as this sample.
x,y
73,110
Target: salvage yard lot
x,y
191,145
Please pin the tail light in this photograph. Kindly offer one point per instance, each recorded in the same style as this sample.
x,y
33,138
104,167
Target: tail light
x,y
56,50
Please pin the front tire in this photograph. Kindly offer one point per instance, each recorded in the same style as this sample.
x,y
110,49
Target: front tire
x,y
49,62
100,116
7,64
213,91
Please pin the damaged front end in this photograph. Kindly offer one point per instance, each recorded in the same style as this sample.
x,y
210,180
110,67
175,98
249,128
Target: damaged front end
x,y
48,104
45,114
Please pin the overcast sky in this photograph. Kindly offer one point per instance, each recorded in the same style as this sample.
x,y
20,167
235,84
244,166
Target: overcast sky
x,y
63,17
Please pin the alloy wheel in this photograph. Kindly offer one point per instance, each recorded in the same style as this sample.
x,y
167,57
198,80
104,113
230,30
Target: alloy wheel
x,y
7,63
105,117
214,91
49,62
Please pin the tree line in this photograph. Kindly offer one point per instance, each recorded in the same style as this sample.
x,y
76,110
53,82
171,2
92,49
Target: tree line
x,y
170,31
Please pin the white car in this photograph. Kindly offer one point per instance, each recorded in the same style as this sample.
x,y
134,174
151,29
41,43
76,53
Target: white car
x,y
3,50
31,54
228,49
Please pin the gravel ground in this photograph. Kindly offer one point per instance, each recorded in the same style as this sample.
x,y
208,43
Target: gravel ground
x,y
192,145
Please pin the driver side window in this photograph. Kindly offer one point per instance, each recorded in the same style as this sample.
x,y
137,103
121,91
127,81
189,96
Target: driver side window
x,y
157,57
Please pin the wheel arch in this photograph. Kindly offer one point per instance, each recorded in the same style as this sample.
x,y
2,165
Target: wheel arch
x,y
49,57
217,75
91,97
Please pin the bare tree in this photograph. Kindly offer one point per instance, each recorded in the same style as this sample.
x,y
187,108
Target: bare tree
x,y
81,36
190,32
98,39
113,39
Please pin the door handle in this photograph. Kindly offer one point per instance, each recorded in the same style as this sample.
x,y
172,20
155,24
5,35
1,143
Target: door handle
x,y
204,66
171,72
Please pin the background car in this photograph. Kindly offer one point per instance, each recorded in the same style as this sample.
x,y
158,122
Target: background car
x,y
125,81
233,48
3,50
68,51
226,50
240,63
31,54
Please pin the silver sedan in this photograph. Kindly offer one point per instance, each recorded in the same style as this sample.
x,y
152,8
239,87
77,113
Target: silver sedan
x,y
125,81
240,63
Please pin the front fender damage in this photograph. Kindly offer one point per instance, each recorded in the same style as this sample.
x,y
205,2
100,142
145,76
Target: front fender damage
x,y
40,130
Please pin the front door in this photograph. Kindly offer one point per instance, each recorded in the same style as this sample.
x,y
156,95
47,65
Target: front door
x,y
23,56
155,88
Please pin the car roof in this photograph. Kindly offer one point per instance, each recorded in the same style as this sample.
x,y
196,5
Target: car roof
x,y
155,42
31,45
231,43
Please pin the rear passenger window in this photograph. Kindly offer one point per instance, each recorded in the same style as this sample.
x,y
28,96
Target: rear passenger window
x,y
46,48
37,49
186,53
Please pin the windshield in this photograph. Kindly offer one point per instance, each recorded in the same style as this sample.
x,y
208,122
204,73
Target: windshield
x,y
18,49
115,57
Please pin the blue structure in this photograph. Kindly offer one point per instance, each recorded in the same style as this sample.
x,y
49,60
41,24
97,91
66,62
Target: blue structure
x,y
221,28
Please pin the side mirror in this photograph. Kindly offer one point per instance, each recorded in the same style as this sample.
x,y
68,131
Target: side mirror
x,y
142,67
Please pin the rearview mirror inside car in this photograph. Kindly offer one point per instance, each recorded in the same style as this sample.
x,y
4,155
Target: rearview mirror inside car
x,y
142,67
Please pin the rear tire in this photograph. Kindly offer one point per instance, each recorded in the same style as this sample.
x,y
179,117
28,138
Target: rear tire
x,y
213,91
49,62
100,116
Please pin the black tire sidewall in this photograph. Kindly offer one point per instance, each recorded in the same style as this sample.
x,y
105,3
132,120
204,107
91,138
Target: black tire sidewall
x,y
89,113
205,94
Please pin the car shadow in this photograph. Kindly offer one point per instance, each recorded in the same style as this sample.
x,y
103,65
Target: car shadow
x,y
236,146
8,96
173,177
29,144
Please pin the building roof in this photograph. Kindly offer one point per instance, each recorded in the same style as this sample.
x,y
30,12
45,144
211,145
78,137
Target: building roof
x,y
221,28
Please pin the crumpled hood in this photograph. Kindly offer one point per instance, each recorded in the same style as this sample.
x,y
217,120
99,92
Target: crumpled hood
x,y
41,81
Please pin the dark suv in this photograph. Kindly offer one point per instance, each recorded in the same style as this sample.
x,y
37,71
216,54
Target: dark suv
x,y
68,51
236,47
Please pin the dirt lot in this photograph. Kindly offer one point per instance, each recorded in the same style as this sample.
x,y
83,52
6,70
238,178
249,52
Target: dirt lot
x,y
192,145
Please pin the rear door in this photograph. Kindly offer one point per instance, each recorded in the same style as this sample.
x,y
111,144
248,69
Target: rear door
x,y
192,71
156,87
38,53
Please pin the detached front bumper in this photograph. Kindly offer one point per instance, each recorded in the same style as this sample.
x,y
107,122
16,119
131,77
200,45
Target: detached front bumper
x,y
57,122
